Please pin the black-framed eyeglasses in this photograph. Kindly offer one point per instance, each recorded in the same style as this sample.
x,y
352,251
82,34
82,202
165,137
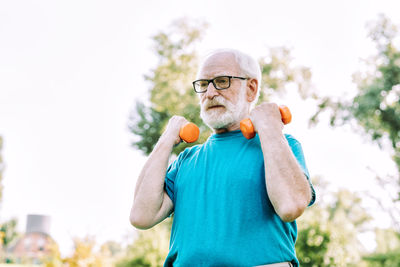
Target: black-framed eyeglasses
x,y
220,83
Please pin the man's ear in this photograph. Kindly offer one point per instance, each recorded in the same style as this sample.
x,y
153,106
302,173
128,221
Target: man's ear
x,y
252,87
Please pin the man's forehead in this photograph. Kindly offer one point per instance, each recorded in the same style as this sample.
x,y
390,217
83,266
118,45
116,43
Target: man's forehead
x,y
218,64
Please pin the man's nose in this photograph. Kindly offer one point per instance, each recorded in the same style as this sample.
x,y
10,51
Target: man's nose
x,y
211,91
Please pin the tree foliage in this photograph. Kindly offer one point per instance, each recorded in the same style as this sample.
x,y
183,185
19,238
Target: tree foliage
x,y
328,231
85,255
8,232
375,112
278,72
171,90
376,106
387,251
8,238
150,247
53,258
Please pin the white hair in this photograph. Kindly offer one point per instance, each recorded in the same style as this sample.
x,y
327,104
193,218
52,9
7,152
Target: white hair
x,y
248,66
234,112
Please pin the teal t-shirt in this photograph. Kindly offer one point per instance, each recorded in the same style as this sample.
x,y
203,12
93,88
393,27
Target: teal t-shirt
x,y
222,213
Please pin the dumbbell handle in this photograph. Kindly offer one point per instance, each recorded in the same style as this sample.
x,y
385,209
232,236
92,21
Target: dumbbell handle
x,y
189,132
247,127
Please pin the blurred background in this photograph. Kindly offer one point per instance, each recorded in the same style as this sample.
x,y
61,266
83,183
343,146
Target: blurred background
x,y
86,88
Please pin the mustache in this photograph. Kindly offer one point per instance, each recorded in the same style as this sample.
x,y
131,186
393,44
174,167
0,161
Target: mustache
x,y
217,101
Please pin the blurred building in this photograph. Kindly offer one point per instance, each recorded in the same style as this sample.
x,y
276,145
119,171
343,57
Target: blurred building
x,y
36,243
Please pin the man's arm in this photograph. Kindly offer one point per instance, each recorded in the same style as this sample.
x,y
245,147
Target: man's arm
x,y
287,185
151,203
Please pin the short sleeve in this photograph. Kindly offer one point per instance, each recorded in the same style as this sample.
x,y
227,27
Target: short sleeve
x,y
170,179
171,174
298,153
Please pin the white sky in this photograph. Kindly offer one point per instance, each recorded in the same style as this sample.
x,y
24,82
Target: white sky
x,y
70,72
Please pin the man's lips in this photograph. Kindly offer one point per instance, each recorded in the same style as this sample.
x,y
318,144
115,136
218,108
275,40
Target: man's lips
x,y
215,106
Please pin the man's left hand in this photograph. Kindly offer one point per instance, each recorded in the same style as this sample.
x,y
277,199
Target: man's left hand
x,y
267,117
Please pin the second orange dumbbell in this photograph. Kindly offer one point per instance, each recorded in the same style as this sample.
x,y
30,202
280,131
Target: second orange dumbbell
x,y
189,132
247,128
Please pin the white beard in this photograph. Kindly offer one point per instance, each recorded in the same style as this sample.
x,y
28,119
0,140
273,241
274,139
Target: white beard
x,y
220,118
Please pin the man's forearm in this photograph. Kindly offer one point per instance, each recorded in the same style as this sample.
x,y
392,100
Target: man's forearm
x,y
149,191
287,186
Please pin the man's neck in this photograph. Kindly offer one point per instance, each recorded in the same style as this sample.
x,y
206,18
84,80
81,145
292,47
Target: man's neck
x,y
230,128
234,126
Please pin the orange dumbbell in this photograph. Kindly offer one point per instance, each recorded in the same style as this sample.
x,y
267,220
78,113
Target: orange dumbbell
x,y
247,128
189,132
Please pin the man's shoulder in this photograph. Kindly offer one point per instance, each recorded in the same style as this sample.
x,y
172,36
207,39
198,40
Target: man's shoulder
x,y
190,151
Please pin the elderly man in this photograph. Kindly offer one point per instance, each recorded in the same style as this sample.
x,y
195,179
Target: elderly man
x,y
234,200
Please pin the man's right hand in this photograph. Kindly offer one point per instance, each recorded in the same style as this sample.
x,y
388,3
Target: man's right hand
x,y
174,125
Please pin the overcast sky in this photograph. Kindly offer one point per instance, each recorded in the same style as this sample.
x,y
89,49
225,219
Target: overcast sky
x,y
70,72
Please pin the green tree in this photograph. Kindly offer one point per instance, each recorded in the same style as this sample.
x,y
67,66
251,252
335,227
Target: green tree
x,y
376,107
85,255
375,112
278,73
171,91
387,251
53,257
8,232
328,232
170,85
8,236
150,247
